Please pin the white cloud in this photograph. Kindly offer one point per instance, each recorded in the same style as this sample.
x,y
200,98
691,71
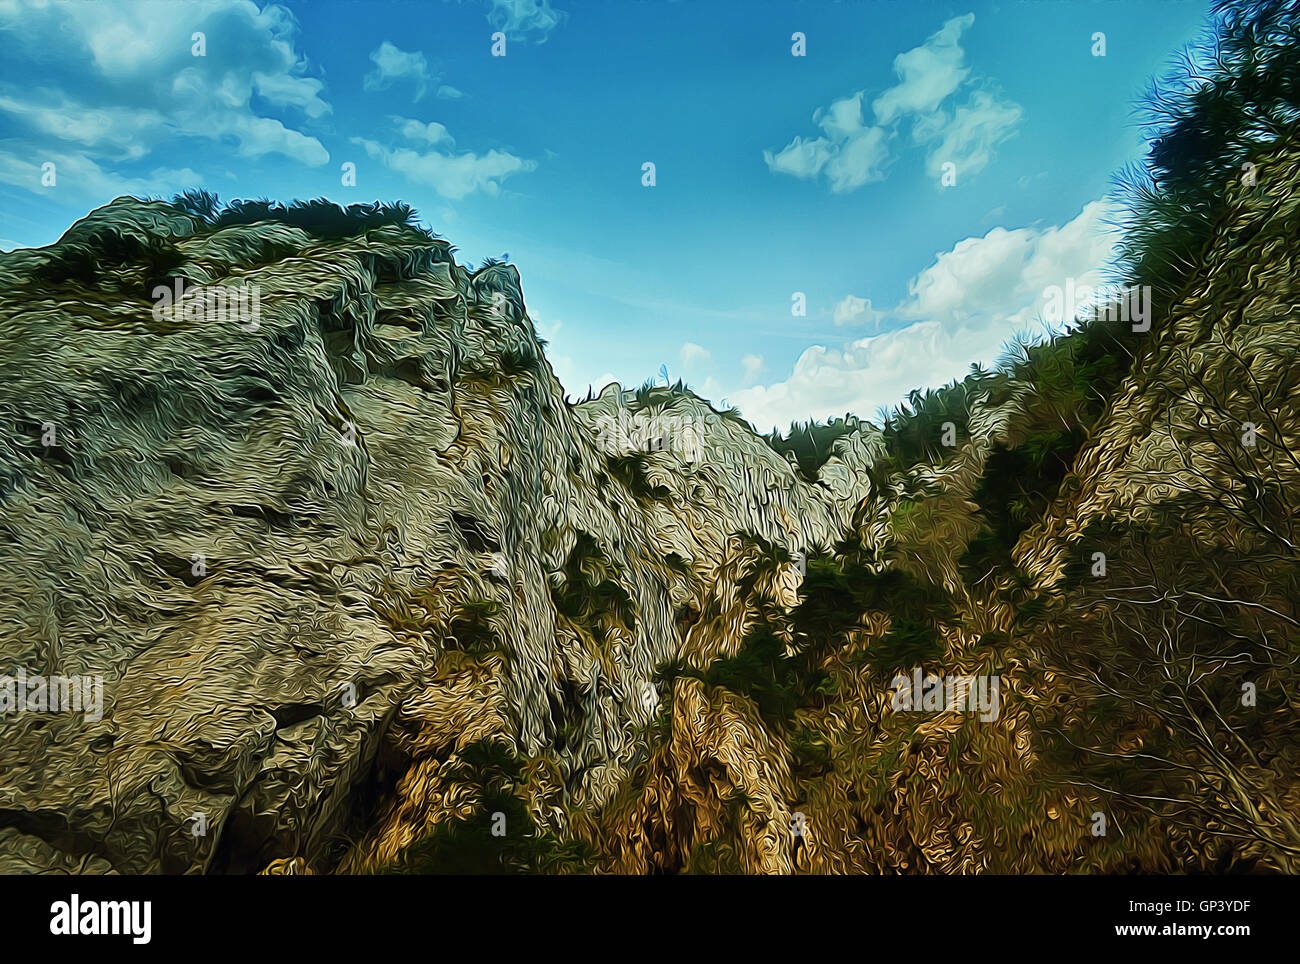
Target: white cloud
x,y
131,84
967,138
430,133
863,376
752,365
692,353
962,309
1004,272
859,160
851,153
80,178
392,64
452,175
802,158
927,74
855,311
521,19
112,129
286,90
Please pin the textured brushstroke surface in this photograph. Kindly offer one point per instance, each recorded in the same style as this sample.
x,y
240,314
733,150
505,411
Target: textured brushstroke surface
x,y
627,662
379,503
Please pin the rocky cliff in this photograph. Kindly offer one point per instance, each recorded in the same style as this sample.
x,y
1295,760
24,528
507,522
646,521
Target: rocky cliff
x,y
317,553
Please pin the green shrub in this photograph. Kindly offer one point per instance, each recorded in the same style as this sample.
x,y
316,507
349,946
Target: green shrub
x,y
632,469
812,443
467,845
591,596
471,628
319,217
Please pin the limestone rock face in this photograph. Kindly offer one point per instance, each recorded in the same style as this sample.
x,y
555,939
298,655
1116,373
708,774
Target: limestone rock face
x,y
316,543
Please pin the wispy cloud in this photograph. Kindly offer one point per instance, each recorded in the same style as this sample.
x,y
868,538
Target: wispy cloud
x,y
453,175
966,138
80,179
850,153
927,75
692,354
524,19
430,133
393,65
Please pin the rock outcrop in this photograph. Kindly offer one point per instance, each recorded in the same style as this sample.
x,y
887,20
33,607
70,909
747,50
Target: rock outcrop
x,y
315,553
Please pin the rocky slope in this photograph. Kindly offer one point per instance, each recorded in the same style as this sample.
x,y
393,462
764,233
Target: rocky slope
x,y
377,495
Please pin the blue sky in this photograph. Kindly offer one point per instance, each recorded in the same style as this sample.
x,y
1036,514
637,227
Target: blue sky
x,y
819,174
